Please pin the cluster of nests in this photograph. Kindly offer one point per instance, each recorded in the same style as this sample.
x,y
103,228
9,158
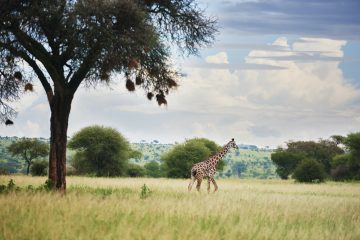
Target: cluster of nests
x,y
27,87
130,86
160,95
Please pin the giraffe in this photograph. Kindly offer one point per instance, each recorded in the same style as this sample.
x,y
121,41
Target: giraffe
x,y
207,168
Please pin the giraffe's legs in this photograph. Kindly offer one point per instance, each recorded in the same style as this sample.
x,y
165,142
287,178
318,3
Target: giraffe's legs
x,y
208,186
191,183
215,185
198,184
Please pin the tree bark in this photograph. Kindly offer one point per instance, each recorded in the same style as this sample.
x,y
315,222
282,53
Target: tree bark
x,y
60,106
28,168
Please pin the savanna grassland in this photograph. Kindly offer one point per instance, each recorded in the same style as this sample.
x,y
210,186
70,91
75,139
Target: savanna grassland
x,y
114,208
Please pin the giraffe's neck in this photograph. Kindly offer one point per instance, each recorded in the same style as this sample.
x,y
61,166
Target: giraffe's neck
x,y
219,155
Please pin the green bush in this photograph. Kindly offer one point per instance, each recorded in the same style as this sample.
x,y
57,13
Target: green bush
x,y
100,151
153,169
135,170
39,168
285,162
309,170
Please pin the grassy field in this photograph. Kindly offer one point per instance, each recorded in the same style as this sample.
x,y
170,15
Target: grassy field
x,y
103,208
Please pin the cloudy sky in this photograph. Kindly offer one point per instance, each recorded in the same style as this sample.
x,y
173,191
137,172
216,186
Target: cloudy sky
x,y
279,70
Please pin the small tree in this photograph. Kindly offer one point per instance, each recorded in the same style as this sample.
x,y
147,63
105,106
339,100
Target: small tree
x,y
29,149
309,170
153,169
179,160
285,162
102,151
39,168
347,165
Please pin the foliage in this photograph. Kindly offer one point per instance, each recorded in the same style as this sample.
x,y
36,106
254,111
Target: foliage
x,y
134,170
309,170
258,162
322,151
154,169
347,166
11,186
39,168
145,192
239,168
179,160
100,150
285,162
29,149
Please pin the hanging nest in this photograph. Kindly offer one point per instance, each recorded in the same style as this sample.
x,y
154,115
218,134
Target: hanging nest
x,y
133,63
130,86
139,80
29,87
8,122
18,76
160,98
171,83
150,95
153,73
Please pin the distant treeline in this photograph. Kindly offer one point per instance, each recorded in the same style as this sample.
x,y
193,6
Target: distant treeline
x,y
247,162
337,158
103,151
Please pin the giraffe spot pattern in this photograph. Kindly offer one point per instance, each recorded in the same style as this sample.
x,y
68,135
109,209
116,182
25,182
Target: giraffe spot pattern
x,y
207,168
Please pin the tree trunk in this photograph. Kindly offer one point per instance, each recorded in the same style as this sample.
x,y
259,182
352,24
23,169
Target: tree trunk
x,y
28,168
60,106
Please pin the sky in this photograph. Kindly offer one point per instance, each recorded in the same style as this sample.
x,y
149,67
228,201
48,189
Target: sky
x,y
279,70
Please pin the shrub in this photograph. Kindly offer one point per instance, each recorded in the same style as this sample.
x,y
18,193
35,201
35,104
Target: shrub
x,y
153,169
39,168
135,170
309,170
341,172
101,151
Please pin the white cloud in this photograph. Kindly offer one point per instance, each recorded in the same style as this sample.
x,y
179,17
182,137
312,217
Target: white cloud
x,y
219,58
303,100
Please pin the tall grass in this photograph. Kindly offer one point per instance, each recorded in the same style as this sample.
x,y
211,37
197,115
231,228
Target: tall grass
x,y
112,208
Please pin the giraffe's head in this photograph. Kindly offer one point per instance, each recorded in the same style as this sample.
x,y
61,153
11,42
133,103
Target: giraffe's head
x,y
233,144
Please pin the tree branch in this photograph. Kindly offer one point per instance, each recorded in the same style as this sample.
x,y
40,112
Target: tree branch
x,y
88,62
36,49
32,63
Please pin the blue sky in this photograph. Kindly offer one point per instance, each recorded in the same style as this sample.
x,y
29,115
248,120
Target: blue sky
x,y
278,70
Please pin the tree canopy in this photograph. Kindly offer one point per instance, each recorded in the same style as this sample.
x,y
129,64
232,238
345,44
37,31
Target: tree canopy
x,y
347,165
102,151
66,43
28,150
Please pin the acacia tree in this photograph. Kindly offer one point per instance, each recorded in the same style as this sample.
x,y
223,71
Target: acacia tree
x,y
101,150
29,149
68,43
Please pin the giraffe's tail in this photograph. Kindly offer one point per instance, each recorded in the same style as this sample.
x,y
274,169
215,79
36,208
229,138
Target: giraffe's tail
x,y
193,173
